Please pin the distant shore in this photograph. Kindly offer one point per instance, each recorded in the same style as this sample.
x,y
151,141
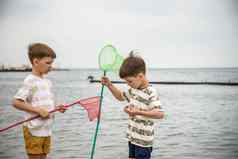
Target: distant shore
x,y
29,70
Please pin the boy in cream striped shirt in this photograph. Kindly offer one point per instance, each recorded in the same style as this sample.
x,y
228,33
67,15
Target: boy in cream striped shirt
x,y
36,98
144,106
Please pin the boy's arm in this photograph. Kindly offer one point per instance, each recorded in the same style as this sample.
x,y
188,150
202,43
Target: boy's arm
x,y
154,113
22,105
114,90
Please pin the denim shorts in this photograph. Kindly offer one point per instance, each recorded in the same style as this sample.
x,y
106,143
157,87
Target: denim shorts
x,y
139,152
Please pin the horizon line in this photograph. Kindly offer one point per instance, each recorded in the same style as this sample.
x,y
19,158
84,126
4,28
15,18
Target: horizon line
x,y
235,67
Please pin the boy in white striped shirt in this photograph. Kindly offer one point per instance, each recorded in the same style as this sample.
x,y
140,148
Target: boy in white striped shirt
x,y
35,97
144,106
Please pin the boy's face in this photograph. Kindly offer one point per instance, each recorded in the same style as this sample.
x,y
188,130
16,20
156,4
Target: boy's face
x,y
135,81
43,65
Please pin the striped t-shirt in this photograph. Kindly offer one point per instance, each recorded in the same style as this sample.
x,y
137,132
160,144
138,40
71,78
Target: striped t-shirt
x,y
140,129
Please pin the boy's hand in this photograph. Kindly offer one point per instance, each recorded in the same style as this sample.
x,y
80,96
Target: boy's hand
x,y
127,110
61,108
131,110
105,81
43,112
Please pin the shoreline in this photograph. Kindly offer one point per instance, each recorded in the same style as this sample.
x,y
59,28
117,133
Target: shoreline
x,y
29,70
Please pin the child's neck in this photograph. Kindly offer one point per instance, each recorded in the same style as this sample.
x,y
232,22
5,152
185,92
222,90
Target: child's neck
x,y
144,84
36,73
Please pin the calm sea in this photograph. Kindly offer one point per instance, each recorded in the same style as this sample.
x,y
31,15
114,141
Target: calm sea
x,y
201,120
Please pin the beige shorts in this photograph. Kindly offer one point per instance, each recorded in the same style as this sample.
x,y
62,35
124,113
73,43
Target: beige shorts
x,y
36,145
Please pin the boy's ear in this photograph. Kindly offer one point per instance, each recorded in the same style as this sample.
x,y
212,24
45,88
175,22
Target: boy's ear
x,y
35,61
140,75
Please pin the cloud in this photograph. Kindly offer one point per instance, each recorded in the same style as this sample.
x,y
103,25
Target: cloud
x,y
158,29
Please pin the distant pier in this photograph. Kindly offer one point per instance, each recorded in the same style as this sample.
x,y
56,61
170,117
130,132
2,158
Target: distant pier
x,y
91,80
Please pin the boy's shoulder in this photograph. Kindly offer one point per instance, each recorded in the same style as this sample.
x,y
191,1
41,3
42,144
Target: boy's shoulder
x,y
146,92
29,79
149,90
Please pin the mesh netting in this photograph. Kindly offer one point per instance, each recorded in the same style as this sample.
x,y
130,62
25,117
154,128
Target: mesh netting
x,y
109,59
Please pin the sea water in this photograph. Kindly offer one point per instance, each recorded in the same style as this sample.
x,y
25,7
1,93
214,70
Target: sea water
x,y
200,122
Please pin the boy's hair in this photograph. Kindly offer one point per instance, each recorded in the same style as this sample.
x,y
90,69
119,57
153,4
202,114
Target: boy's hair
x,y
132,66
40,50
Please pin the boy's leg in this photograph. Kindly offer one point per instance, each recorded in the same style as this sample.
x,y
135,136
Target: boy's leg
x,y
36,156
43,156
131,150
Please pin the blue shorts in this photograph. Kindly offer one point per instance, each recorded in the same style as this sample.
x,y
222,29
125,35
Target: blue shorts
x,y
139,152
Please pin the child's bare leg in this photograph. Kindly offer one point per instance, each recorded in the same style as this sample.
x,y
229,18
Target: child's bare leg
x,y
43,156
34,156
37,156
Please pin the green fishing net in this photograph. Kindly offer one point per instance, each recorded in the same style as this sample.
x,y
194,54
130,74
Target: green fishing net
x,y
109,59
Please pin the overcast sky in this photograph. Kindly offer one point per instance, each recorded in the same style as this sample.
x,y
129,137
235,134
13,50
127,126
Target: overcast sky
x,y
171,33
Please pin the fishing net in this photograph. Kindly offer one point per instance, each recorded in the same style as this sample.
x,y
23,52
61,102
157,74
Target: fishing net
x,y
109,59
92,107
